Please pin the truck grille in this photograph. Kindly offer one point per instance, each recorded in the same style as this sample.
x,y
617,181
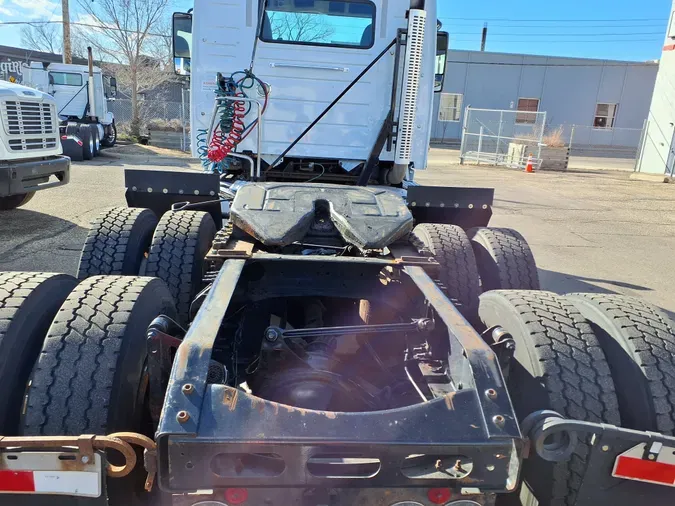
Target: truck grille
x,y
30,125
27,144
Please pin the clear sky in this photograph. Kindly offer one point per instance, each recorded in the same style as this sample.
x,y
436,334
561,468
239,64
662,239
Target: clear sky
x,y
614,29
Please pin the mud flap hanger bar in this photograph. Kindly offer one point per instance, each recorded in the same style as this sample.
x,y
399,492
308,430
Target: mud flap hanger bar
x,y
88,444
604,482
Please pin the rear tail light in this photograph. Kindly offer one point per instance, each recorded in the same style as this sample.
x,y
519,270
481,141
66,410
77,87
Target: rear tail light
x,y
439,495
236,496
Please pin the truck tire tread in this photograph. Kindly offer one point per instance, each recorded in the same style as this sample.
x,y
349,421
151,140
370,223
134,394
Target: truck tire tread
x,y
79,369
570,373
451,248
28,303
116,241
644,363
505,260
177,252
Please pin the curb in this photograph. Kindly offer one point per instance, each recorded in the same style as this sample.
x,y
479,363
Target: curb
x,y
651,178
107,153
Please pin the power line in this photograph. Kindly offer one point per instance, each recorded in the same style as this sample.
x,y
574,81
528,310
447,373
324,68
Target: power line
x,y
81,24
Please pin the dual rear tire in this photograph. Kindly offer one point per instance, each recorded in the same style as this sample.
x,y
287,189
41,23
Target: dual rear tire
x,y
76,358
88,134
131,241
594,357
478,261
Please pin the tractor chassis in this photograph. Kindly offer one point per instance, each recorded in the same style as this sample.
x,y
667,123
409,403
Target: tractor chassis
x,y
203,427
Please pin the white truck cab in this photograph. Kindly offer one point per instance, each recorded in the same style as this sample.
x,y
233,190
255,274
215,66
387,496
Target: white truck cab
x,y
304,56
30,151
81,93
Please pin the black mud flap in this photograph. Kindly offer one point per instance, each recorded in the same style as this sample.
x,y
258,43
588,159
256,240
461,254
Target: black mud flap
x,y
465,207
158,190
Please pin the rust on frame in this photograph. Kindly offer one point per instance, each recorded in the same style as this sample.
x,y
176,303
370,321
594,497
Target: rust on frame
x,y
230,398
450,400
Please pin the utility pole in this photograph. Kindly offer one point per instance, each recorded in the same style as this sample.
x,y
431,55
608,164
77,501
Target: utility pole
x,y
484,40
67,49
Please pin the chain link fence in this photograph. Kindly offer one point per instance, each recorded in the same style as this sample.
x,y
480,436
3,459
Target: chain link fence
x,y
159,119
602,142
507,137
498,136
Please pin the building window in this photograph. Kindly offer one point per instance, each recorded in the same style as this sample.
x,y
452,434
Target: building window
x,y
526,106
65,79
349,23
605,115
451,107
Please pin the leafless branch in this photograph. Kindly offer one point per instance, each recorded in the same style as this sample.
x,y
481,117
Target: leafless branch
x,y
42,37
300,27
125,38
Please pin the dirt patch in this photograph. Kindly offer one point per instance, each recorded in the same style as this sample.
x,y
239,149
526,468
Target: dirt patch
x,y
145,150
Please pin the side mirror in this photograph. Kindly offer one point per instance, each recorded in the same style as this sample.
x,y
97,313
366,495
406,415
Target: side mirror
x,y
113,87
182,42
442,45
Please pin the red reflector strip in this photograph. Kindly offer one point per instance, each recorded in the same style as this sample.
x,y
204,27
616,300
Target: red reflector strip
x,y
17,481
644,470
76,483
670,47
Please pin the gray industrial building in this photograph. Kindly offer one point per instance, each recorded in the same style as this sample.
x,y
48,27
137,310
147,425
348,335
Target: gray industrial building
x,y
657,155
606,101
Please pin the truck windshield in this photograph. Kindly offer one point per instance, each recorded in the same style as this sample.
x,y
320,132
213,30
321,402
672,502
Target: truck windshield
x,y
320,22
65,78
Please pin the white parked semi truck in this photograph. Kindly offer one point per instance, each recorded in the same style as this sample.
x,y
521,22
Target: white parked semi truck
x,y
30,152
81,93
336,335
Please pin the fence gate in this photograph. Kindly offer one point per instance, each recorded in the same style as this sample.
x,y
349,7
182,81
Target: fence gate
x,y
502,137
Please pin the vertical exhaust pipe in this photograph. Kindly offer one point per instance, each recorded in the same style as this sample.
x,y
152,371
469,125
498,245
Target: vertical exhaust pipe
x,y
92,101
411,80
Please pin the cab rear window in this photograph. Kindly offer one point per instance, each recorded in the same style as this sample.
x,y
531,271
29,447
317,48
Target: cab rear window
x,y
349,23
65,78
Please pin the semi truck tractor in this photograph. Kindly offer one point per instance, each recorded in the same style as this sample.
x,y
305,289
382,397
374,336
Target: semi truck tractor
x,y
81,93
301,323
30,151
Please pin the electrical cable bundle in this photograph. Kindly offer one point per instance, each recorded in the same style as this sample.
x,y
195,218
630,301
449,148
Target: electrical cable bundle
x,y
230,128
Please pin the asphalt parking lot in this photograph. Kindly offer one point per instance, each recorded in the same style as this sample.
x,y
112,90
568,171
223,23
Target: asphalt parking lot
x,y
590,231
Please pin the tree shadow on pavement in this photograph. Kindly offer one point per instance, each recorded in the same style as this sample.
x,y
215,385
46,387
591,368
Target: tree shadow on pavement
x,y
561,283
34,241
566,283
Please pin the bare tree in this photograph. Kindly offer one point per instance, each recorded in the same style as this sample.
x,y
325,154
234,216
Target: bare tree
x,y
125,34
42,36
300,27
47,36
